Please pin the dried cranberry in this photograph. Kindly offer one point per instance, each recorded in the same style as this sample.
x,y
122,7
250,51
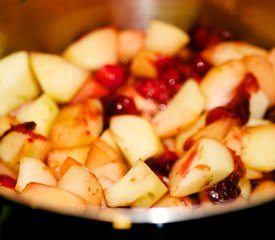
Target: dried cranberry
x,y
7,181
266,176
111,75
239,105
26,125
161,165
228,188
270,114
239,167
224,190
25,128
240,108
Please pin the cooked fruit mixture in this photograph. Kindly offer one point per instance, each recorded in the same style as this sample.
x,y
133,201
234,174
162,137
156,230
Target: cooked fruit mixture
x,y
139,119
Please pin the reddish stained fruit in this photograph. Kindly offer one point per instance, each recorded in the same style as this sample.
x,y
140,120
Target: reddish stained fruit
x,y
90,89
188,161
216,114
238,107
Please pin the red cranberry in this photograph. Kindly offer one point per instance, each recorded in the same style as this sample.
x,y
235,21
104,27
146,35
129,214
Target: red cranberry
x,y
227,35
171,76
186,70
111,75
153,89
169,81
146,87
200,65
172,79
122,105
202,37
7,181
162,62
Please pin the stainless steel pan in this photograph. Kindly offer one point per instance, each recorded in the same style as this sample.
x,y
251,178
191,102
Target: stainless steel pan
x,y
50,25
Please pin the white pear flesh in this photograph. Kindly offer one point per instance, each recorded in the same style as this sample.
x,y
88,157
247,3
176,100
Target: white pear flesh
x,y
231,50
33,170
139,187
58,78
82,182
258,104
41,196
135,137
42,111
258,147
95,49
17,83
165,38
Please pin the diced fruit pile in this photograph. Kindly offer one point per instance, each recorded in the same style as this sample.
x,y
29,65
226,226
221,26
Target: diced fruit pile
x,y
139,119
